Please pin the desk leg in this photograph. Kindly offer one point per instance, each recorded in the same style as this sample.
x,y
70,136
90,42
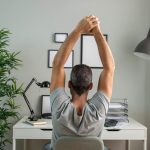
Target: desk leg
x,y
145,144
24,144
128,144
14,144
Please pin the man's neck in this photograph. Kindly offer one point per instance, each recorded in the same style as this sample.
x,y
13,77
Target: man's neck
x,y
79,102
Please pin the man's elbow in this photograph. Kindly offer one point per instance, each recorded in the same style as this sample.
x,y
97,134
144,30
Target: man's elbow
x,y
110,68
56,64
113,67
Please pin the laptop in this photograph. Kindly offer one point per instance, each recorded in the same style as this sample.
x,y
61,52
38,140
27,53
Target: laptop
x,y
46,107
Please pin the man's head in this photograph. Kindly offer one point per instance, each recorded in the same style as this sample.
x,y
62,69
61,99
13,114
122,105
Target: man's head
x,y
81,79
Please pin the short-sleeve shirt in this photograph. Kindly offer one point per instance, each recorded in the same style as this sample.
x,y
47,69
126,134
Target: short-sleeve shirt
x,y
66,122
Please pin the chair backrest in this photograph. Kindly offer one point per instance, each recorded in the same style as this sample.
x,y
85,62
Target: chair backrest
x,y
79,143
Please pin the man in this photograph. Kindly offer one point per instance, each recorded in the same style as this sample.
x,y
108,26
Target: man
x,y
76,116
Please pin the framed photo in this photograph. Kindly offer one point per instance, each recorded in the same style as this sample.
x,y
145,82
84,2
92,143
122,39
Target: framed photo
x,y
60,37
89,51
51,55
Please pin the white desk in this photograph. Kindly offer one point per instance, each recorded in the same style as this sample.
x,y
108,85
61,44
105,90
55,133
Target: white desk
x,y
132,131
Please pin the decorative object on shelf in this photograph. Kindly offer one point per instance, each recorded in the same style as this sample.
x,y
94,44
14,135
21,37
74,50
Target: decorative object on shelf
x,y
51,55
9,88
143,48
60,37
89,51
45,84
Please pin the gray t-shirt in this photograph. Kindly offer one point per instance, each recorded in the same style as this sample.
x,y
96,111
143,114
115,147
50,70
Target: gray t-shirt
x,y
66,122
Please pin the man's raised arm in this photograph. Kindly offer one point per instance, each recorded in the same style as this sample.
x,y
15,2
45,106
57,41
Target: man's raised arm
x,y
58,72
106,78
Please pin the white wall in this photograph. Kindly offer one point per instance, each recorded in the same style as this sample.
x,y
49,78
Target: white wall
x,y
33,23
147,89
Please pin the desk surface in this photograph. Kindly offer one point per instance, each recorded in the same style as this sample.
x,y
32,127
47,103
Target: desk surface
x,y
132,131
22,125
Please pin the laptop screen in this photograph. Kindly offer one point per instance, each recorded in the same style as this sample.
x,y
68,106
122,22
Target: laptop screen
x,y
46,106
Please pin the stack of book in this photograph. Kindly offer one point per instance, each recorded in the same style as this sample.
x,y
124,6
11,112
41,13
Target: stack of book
x,y
117,112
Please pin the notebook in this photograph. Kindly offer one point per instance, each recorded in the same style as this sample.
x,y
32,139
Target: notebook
x,y
38,122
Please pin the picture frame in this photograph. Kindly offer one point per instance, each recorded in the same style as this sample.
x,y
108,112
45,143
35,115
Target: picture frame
x,y
60,37
51,55
89,51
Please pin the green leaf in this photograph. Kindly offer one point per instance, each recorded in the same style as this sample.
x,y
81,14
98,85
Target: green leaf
x,y
9,87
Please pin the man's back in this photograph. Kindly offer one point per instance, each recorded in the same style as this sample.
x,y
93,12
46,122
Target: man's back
x,y
80,117
67,122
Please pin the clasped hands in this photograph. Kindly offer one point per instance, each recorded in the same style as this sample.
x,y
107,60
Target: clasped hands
x,y
90,25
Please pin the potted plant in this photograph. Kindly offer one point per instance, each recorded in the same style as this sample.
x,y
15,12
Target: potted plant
x,y
8,88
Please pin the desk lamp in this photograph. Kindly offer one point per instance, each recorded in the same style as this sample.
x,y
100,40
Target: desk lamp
x,y
44,84
143,48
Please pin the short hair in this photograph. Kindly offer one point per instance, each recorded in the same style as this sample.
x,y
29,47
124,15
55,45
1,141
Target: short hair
x,y
81,77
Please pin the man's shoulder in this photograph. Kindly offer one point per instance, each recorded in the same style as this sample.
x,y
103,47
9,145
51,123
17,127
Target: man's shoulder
x,y
58,96
99,101
58,92
60,89
100,95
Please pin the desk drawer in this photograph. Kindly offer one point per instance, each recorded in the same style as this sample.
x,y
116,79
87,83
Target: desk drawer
x,y
32,134
124,135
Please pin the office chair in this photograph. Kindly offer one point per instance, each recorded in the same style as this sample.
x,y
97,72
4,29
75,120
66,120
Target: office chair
x,y
79,143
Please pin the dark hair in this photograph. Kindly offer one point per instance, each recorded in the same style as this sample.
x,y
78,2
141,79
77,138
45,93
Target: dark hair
x,y
81,77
